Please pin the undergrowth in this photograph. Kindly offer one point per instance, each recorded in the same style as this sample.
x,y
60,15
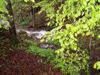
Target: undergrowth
x,y
46,53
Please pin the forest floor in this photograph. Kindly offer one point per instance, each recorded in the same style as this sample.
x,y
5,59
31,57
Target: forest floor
x,y
16,61
22,63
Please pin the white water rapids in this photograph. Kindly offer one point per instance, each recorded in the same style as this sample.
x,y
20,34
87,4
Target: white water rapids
x,y
38,34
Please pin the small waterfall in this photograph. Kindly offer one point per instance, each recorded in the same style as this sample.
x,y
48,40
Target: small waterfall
x,y
37,34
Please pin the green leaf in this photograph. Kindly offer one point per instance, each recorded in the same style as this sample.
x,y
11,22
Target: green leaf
x,y
99,36
97,65
33,1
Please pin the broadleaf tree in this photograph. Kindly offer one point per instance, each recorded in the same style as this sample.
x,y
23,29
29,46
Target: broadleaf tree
x,y
3,13
72,20
7,19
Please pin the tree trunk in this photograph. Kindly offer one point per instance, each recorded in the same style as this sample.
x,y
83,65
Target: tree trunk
x,y
12,29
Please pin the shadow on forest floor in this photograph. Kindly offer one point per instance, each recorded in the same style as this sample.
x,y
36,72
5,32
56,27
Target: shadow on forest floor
x,y
16,61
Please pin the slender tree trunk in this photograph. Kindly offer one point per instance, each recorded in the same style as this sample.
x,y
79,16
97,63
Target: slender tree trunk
x,y
32,10
33,14
12,29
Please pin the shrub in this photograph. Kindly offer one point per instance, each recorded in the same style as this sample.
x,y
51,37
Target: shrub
x,y
45,53
72,19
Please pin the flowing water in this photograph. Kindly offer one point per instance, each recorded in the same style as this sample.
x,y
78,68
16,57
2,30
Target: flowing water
x,y
37,35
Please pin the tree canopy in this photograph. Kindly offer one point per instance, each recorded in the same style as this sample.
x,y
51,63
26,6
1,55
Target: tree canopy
x,y
72,21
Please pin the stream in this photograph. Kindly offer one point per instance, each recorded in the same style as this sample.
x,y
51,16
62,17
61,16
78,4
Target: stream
x,y
37,35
